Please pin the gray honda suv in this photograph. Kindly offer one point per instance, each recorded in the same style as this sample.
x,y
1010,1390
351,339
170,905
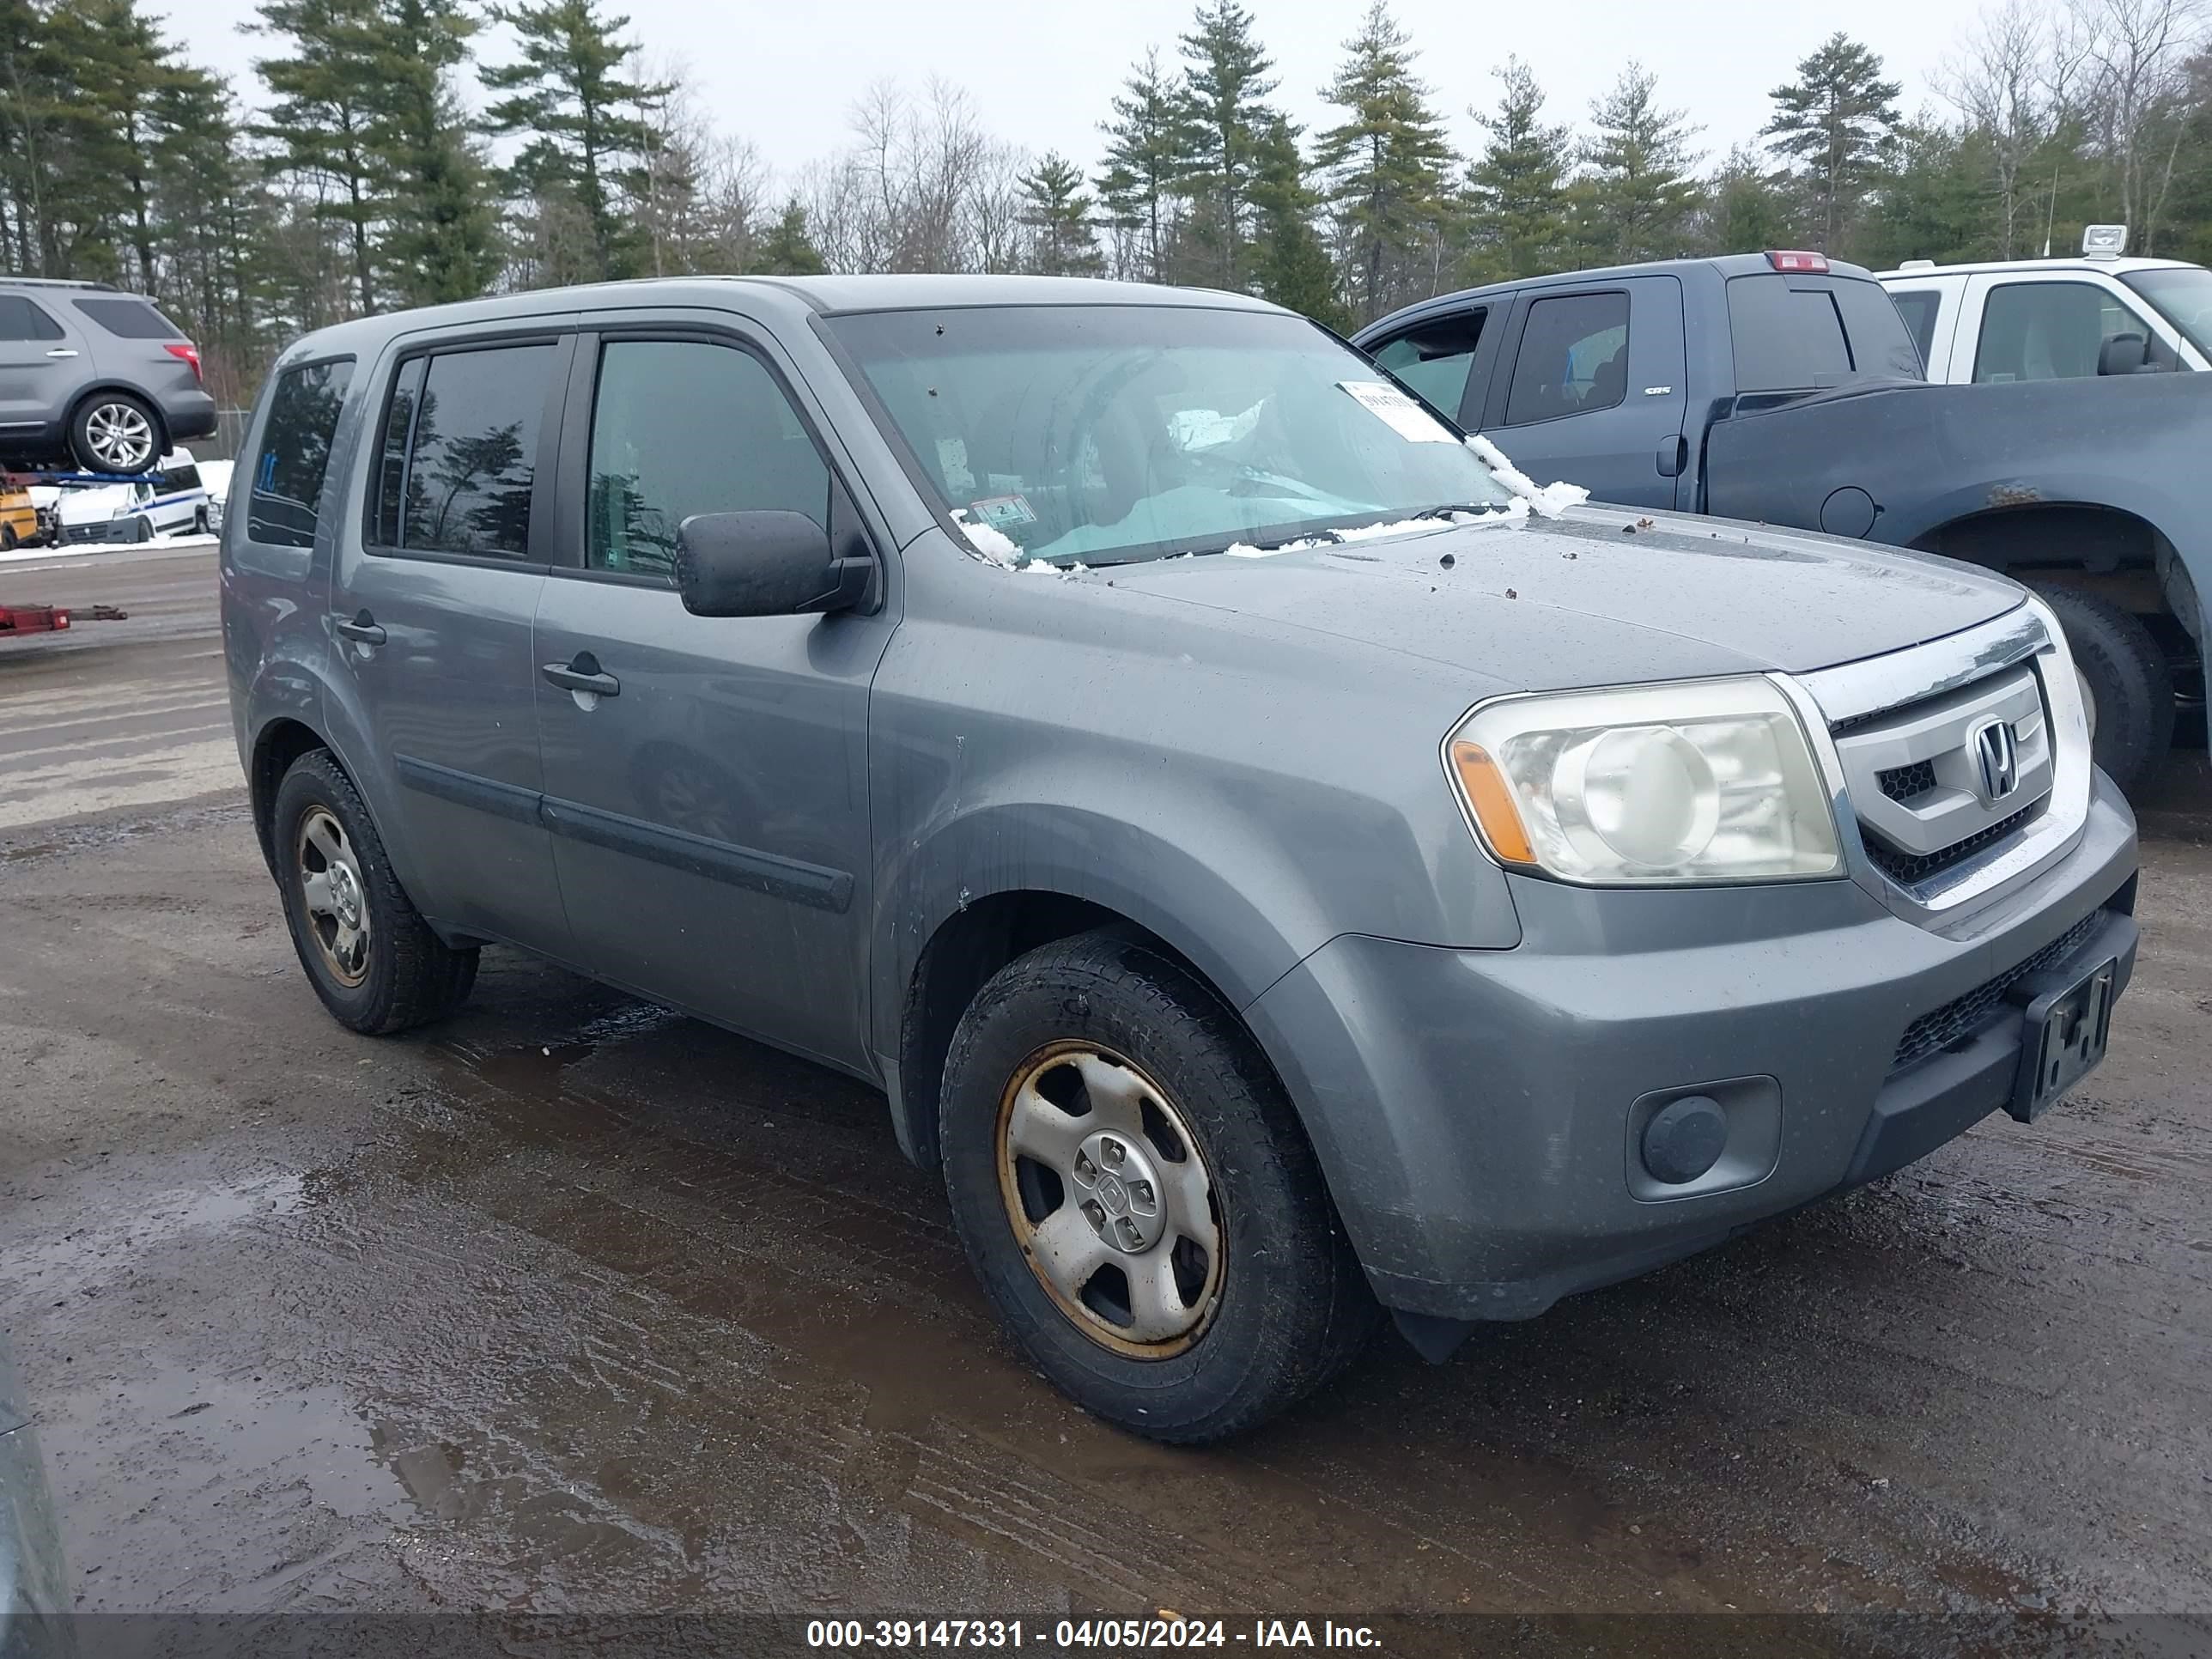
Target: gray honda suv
x,y
1278,863
94,378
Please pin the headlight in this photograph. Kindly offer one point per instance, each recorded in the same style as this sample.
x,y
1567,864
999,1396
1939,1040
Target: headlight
x,y
1705,780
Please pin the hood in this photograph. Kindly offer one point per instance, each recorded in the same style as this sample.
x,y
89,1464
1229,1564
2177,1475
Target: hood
x,y
95,505
1602,596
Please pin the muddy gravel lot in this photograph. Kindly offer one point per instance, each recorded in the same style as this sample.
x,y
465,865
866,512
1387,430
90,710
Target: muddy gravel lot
x,y
575,1305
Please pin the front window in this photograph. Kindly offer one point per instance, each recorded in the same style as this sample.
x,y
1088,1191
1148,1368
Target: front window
x,y
2183,295
2050,331
1111,434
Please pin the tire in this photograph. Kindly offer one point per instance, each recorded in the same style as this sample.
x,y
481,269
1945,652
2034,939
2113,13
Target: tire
x,y
2126,682
7,538
142,529
1276,1307
200,522
398,974
114,432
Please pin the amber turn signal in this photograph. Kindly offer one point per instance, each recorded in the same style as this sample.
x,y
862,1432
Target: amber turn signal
x,y
1492,802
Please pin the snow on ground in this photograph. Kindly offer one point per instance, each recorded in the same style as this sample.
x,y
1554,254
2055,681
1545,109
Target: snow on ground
x,y
22,555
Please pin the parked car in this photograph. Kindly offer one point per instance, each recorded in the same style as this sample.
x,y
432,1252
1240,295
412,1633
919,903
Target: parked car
x,y
34,1594
1272,869
171,502
94,375
19,519
2054,319
1781,389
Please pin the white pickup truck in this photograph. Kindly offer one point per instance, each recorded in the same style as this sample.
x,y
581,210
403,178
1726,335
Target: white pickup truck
x,y
2056,320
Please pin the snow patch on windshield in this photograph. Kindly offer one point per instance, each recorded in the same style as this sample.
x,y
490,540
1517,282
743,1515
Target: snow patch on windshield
x,y
1548,500
996,545
1511,513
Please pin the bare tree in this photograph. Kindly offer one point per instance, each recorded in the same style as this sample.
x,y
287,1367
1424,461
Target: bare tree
x,y
2000,82
2136,53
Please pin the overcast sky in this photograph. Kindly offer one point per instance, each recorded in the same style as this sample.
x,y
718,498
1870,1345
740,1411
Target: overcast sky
x,y
785,74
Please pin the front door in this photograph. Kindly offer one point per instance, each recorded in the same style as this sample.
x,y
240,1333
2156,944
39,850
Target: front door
x,y
1589,390
709,800
42,362
432,608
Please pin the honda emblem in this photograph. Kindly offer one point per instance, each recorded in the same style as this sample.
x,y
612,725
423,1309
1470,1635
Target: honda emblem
x,y
1996,760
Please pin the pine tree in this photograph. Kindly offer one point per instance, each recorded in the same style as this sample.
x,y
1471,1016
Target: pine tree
x,y
1638,194
1838,120
1057,210
787,250
1225,88
566,98
1517,186
1290,262
208,221
1385,163
442,242
1745,209
319,124
1146,143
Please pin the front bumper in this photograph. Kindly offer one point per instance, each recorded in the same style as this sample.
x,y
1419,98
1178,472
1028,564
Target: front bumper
x,y
1475,1110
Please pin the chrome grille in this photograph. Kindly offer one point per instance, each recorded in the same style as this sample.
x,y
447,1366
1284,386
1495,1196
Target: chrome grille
x,y
1936,782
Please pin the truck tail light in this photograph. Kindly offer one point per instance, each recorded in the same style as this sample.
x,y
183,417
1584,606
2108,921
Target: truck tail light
x,y
190,354
1793,258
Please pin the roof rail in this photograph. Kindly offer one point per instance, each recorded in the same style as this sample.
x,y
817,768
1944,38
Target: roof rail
x,y
10,280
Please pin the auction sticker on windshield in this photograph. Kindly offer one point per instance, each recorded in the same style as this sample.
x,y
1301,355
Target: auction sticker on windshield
x,y
1399,412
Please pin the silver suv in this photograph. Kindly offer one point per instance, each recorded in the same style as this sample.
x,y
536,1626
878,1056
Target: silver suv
x,y
1277,862
94,377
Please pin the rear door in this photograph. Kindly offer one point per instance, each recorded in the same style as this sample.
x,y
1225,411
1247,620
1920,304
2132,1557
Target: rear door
x,y
44,360
1590,388
432,604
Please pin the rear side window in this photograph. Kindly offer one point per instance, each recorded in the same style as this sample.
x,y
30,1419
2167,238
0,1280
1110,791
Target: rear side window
x,y
1798,334
180,477
130,319
295,452
1435,359
681,426
1573,358
1918,307
459,457
20,320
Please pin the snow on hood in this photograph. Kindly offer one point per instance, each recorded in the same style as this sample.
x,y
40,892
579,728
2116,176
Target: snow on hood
x,y
97,502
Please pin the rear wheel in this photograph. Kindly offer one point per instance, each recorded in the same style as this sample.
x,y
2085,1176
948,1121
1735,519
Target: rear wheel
x,y
7,538
2127,689
1138,1196
368,953
113,433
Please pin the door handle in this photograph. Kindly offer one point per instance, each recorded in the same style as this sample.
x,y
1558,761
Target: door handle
x,y
61,351
361,626
1674,456
582,673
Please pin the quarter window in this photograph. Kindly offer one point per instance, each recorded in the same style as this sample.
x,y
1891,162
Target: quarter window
x,y
2050,331
130,319
459,460
680,428
20,320
1573,358
282,508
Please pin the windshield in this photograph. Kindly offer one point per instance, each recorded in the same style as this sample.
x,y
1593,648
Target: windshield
x,y
2184,293
1110,434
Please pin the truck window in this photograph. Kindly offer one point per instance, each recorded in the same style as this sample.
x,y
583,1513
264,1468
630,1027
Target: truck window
x,y
680,427
1433,360
1573,358
1786,338
2184,293
471,459
2050,331
295,451
130,319
1918,307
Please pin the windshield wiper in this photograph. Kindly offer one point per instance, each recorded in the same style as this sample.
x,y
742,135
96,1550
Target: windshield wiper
x,y
1450,507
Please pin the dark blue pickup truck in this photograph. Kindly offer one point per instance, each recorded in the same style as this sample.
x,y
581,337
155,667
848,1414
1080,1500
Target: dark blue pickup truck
x,y
1780,388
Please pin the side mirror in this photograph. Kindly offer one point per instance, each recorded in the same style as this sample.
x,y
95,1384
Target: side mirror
x,y
2123,354
763,564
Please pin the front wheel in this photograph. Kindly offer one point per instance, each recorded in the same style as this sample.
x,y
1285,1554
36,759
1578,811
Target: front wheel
x,y
368,953
2127,689
1139,1198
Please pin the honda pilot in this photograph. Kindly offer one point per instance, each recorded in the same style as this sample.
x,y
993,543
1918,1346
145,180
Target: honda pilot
x,y
1278,864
